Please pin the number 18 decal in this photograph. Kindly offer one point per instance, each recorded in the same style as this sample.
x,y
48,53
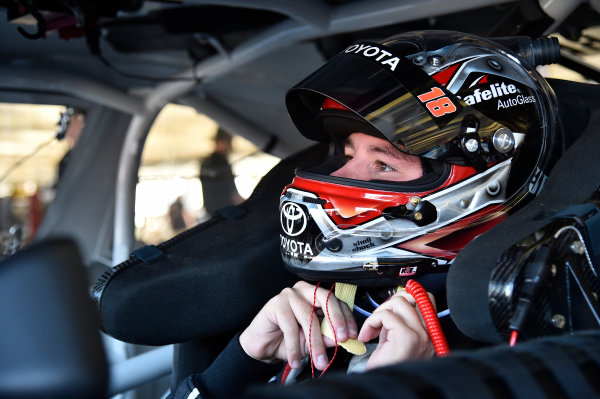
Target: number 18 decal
x,y
437,102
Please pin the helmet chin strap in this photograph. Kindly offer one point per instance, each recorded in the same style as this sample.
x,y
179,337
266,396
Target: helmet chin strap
x,y
345,293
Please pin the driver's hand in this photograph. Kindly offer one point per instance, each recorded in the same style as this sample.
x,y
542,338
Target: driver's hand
x,y
280,331
402,335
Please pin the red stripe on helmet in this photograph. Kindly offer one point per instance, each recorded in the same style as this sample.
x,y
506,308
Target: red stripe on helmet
x,y
443,77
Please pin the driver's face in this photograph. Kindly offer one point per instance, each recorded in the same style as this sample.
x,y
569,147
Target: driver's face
x,y
372,158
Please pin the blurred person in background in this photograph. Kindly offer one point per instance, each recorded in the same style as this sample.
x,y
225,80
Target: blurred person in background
x,y
70,126
216,176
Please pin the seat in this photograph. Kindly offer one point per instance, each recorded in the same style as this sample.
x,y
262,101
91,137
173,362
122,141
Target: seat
x,y
571,182
50,343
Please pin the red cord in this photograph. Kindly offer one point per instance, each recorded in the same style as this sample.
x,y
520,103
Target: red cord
x,y
312,367
312,311
513,337
440,345
332,329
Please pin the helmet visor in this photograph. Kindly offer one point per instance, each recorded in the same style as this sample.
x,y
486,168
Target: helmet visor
x,y
393,95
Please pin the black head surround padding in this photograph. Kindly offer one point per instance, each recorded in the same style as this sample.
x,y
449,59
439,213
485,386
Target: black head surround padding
x,y
573,179
209,280
50,345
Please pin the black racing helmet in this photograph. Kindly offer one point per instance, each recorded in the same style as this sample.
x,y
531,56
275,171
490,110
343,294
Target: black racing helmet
x,y
477,106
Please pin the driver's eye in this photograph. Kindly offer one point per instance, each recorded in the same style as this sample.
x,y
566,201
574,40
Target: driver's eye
x,y
384,167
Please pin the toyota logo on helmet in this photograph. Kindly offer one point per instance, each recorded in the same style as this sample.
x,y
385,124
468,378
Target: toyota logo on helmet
x,y
297,232
293,219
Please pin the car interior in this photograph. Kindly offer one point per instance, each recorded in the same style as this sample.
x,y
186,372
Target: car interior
x,y
100,299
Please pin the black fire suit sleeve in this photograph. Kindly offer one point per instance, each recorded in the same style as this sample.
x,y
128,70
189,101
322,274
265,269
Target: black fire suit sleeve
x,y
228,376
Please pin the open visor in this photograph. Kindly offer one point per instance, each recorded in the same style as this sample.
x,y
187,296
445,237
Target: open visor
x,y
391,95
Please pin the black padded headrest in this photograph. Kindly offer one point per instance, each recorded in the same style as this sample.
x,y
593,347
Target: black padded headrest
x,y
211,279
50,344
